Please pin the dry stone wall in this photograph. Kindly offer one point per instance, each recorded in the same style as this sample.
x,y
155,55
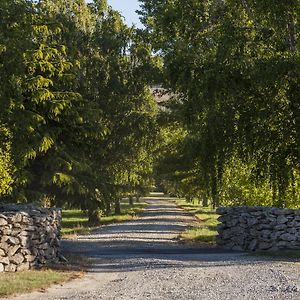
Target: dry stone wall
x,y
258,228
29,237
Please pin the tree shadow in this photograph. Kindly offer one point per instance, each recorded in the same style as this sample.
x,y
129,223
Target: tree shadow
x,y
150,242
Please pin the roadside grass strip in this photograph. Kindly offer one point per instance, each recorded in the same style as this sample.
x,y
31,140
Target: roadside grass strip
x,y
29,281
75,222
204,229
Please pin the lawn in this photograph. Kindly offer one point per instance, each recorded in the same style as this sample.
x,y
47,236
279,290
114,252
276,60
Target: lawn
x,y
25,282
204,230
75,222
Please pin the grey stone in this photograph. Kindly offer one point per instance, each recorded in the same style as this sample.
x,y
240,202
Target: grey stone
x,y
252,221
4,260
292,230
257,214
44,246
3,217
15,232
237,248
233,222
12,250
282,244
288,237
265,233
282,212
280,227
13,240
3,222
282,220
50,252
23,267
226,234
30,258
276,234
30,228
261,228
221,227
295,243
295,224
264,246
253,244
10,268
17,259
254,232
4,246
239,240
25,233
1,267
273,249
228,246
17,218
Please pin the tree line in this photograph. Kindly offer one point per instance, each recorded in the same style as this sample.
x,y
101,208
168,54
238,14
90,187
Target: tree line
x,y
77,120
233,128
79,126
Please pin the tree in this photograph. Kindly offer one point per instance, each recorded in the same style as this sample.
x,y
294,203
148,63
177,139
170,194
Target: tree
x,y
233,65
76,103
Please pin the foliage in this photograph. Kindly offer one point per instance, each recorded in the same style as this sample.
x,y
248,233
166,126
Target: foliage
x,y
6,164
234,66
76,102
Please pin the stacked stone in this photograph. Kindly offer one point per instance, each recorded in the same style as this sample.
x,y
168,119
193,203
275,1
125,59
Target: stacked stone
x,y
258,228
29,237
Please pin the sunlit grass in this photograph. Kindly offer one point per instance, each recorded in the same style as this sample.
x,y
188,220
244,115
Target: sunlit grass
x,y
75,222
25,282
204,230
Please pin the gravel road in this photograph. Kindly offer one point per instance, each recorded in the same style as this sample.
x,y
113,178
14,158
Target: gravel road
x,y
142,259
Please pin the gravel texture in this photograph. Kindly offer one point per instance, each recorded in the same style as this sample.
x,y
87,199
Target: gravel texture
x,y
142,259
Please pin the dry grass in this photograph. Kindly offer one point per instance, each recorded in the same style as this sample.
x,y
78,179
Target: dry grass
x,y
29,281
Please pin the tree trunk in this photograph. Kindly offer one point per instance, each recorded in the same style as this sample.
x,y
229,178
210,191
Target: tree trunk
x,y
214,192
204,201
94,216
117,207
131,200
107,208
137,197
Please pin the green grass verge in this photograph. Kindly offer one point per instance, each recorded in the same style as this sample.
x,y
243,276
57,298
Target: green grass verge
x,y
25,282
75,222
204,230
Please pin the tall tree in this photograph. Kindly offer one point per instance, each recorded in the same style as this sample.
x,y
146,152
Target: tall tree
x,y
234,66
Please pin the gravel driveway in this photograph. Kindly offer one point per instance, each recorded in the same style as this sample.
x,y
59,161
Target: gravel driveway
x,y
142,259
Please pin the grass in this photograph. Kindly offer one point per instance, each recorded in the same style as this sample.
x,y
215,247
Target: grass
x,y
29,281
75,222
204,229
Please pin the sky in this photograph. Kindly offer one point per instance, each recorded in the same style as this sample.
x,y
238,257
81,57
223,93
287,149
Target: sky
x,y
127,9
